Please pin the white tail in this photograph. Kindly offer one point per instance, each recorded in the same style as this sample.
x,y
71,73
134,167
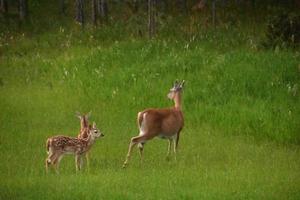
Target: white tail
x,y
164,123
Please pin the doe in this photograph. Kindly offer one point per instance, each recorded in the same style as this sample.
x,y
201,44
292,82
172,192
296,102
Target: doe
x,y
164,123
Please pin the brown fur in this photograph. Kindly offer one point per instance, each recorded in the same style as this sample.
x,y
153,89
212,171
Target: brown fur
x,y
58,146
165,123
84,125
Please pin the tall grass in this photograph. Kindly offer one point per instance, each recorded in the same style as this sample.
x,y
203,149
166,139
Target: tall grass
x,y
241,107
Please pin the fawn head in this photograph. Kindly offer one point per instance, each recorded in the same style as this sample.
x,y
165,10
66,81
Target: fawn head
x,y
95,132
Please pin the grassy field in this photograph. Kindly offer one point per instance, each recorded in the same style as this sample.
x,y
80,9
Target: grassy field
x,y
241,106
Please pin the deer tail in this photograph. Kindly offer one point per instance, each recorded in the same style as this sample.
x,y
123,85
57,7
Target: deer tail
x,y
140,119
48,142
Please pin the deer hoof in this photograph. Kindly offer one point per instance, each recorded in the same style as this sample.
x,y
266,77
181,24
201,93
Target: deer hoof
x,y
168,158
124,165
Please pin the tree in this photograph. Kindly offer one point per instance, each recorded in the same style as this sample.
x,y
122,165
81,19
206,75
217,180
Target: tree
x,y
3,6
23,12
135,6
214,12
94,12
62,7
103,9
151,17
79,11
183,6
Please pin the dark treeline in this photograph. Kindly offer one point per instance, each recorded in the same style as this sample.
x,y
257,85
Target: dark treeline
x,y
98,12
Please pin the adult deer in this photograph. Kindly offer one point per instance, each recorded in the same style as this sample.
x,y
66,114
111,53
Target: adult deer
x,y
58,146
164,123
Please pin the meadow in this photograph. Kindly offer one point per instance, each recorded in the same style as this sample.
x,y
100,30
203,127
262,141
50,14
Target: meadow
x,y
240,102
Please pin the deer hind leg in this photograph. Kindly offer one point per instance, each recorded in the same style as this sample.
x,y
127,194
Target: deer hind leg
x,y
133,142
141,148
49,160
47,163
55,161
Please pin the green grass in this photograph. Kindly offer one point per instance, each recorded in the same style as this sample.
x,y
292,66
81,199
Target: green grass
x,y
241,106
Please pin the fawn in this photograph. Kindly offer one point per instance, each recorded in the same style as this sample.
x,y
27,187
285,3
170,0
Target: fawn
x,y
58,146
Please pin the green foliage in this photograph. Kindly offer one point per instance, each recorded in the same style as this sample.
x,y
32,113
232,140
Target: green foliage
x,y
241,108
283,30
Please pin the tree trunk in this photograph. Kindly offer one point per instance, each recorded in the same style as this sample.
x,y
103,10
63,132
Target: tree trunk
x,y
183,6
3,6
80,12
62,7
103,9
253,3
224,6
23,9
151,17
94,12
214,13
135,6
165,5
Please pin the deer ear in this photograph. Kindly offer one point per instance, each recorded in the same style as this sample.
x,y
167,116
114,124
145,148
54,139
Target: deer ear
x,y
182,83
94,125
88,114
77,114
176,83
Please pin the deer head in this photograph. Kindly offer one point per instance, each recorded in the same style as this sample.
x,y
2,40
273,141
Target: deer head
x,y
177,88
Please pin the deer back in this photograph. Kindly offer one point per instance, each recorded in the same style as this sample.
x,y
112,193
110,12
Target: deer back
x,y
161,121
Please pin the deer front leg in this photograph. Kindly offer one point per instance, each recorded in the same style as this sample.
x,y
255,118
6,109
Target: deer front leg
x,y
176,141
175,150
54,161
78,162
169,149
57,161
87,158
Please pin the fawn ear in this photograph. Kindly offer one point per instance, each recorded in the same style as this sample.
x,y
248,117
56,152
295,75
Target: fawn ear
x,y
94,125
88,115
77,114
182,83
176,83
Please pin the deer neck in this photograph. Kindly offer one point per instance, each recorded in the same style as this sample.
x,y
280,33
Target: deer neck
x,y
84,123
89,140
177,101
